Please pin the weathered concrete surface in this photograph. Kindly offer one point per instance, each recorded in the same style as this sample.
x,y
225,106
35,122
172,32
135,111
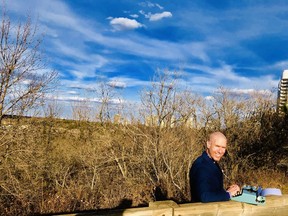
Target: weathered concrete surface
x,y
274,206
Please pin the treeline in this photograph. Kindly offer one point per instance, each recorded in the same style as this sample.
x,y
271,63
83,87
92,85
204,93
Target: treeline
x,y
49,165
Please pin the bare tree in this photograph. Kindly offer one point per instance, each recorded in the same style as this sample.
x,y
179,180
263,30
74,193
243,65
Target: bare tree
x,y
81,110
23,76
158,101
109,99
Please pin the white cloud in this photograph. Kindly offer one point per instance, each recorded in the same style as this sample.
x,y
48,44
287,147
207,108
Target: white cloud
x,y
250,91
159,16
122,23
128,82
156,16
72,92
134,16
210,98
117,84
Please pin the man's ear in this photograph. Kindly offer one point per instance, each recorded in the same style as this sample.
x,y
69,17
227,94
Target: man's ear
x,y
208,144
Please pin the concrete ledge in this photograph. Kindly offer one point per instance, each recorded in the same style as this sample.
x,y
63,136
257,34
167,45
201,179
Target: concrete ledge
x,y
274,206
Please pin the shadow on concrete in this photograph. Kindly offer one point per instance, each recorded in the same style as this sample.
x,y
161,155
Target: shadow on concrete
x,y
118,210
160,194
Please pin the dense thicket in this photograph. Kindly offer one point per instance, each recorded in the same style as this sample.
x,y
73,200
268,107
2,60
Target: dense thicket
x,y
49,165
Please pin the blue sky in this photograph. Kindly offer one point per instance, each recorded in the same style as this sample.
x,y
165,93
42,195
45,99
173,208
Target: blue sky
x,y
241,45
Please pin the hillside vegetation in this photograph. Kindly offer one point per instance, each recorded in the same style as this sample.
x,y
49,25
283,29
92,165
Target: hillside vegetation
x,y
49,165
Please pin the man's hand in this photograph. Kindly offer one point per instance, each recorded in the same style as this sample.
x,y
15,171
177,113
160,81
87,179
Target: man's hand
x,y
233,190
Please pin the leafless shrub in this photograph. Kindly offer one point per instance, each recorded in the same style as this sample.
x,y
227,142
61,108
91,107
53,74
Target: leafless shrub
x,y
24,77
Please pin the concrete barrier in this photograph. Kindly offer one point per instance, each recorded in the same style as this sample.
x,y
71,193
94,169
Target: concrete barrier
x,y
274,206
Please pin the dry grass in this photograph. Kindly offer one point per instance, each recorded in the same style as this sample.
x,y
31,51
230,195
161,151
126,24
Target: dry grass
x,y
51,165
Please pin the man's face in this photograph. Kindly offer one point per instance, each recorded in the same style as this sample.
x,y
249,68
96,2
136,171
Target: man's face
x,y
216,148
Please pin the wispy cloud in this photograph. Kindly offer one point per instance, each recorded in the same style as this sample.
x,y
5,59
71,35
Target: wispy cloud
x,y
207,79
123,81
213,50
150,5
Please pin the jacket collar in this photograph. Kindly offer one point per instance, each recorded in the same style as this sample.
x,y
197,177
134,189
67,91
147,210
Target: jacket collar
x,y
208,158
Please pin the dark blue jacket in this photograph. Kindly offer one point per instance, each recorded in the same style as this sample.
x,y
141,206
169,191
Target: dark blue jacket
x,y
206,181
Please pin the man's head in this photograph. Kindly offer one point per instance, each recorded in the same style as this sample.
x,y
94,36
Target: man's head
x,y
216,145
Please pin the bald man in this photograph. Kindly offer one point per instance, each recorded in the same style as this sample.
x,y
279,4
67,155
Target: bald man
x,y
206,177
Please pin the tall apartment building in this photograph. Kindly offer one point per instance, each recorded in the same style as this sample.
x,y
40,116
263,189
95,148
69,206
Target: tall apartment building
x,y
282,103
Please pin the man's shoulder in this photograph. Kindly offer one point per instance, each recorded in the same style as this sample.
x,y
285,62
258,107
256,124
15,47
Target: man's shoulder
x,y
198,161
201,158
199,166
201,162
